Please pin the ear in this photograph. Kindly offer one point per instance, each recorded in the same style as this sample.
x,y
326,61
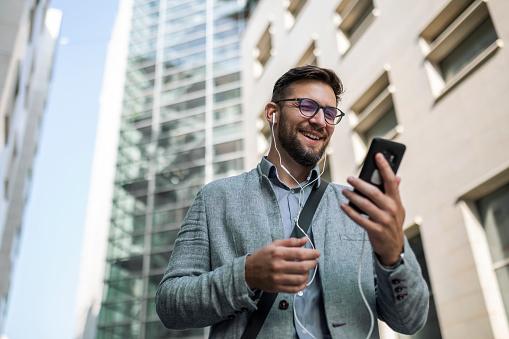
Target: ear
x,y
271,113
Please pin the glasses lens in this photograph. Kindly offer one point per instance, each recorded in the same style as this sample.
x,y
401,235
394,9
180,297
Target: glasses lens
x,y
330,114
308,107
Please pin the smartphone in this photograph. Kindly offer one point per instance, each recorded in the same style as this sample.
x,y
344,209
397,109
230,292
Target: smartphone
x,y
393,153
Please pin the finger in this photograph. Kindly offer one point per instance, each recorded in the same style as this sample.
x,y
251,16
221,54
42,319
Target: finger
x,y
296,254
368,225
366,205
388,176
371,192
292,289
297,267
282,280
291,242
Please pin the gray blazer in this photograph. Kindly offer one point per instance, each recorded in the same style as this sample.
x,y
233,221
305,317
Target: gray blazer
x,y
204,284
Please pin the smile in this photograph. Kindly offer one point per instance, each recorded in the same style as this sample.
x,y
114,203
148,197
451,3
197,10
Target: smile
x,y
311,136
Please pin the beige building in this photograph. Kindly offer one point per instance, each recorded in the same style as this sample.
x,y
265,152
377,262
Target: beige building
x,y
29,32
433,75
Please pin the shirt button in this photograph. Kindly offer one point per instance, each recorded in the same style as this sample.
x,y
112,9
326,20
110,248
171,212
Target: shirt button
x,y
401,296
231,317
283,305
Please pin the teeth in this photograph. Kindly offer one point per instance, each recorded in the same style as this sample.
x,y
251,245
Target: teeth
x,y
311,136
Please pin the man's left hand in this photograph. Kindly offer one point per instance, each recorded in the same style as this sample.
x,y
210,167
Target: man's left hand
x,y
385,210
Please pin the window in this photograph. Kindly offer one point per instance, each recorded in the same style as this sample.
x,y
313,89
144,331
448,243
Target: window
x,y
188,176
225,34
310,56
3,307
184,107
226,66
169,218
151,310
6,188
179,92
431,329
293,8
227,79
227,114
108,329
133,136
31,21
226,95
164,240
7,126
159,261
155,329
228,131
494,216
125,289
192,60
153,283
193,74
28,96
11,103
185,158
228,168
182,125
226,50
458,40
263,51
126,246
374,115
228,147
177,197
353,17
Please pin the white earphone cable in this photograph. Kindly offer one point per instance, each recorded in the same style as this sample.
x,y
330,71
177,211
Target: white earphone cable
x,y
359,270
297,224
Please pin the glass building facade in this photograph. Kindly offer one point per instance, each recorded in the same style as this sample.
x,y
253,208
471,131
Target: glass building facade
x,y
181,127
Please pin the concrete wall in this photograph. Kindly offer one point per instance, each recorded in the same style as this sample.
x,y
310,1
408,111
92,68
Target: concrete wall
x,y
455,142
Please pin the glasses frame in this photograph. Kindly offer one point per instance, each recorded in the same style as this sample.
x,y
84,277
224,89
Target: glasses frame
x,y
318,106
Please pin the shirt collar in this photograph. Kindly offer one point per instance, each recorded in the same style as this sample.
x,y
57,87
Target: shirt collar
x,y
270,170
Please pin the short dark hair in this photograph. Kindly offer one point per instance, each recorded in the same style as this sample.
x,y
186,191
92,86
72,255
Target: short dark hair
x,y
308,72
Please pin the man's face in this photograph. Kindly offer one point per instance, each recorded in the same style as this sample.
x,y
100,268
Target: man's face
x,y
303,138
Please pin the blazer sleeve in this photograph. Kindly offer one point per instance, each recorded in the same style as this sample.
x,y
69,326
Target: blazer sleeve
x,y
402,294
190,293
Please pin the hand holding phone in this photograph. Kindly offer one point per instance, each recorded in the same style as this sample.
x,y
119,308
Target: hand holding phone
x,y
393,153
386,213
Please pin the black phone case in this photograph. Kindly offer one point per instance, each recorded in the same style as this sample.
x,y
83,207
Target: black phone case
x,y
393,153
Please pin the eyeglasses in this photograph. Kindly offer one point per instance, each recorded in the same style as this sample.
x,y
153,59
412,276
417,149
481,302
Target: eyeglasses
x,y
309,108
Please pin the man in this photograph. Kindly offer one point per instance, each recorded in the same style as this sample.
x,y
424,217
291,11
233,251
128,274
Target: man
x,y
234,245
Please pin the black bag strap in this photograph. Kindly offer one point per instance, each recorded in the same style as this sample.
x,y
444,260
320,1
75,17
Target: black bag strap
x,y
256,320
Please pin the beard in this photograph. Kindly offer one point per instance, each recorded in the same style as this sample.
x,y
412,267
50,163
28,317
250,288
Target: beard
x,y
289,141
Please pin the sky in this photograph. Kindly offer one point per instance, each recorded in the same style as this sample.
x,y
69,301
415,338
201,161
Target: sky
x,y
43,294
